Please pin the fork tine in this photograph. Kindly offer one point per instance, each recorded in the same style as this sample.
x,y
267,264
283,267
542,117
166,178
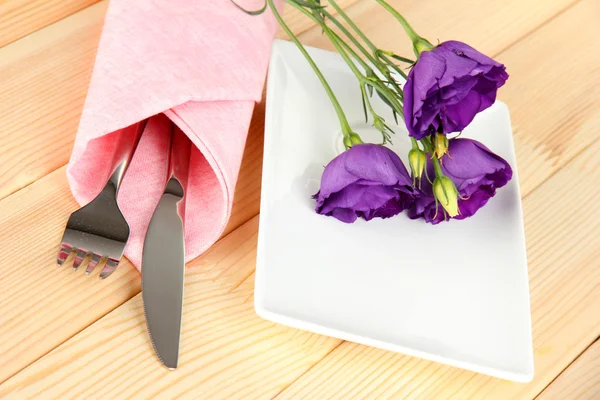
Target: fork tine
x,y
79,259
93,263
109,268
99,227
63,254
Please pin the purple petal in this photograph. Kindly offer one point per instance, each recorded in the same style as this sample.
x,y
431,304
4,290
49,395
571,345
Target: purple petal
x,y
468,51
345,215
468,158
457,116
366,181
448,86
474,169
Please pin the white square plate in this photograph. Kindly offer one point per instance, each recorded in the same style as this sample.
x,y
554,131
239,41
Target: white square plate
x,y
455,293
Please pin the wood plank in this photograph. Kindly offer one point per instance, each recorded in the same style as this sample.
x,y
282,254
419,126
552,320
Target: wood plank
x,y
63,302
44,82
34,217
299,23
227,351
77,326
561,275
549,132
554,118
19,18
564,281
489,26
580,381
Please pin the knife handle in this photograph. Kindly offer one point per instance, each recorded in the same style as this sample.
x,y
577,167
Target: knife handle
x,y
128,141
181,147
179,164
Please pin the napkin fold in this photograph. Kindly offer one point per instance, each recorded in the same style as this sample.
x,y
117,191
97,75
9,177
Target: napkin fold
x,y
198,64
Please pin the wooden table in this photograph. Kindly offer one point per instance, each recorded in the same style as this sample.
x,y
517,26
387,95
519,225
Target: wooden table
x,y
64,335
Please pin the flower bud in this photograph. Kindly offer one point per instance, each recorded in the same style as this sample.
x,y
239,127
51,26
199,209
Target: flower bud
x,y
440,143
445,192
417,159
379,124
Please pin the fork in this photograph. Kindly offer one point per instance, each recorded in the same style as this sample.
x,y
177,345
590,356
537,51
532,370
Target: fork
x,y
99,229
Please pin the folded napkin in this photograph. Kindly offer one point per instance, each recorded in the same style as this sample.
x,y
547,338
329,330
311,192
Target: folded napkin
x,y
198,64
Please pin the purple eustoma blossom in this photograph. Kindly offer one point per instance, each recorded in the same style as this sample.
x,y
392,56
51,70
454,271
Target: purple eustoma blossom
x,y
476,173
367,181
447,87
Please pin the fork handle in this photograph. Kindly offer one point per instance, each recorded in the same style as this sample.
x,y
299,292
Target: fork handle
x,y
124,153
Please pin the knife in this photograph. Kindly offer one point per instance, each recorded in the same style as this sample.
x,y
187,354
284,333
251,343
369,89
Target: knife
x,y
163,257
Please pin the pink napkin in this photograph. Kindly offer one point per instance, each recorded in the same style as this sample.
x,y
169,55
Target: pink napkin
x,y
199,64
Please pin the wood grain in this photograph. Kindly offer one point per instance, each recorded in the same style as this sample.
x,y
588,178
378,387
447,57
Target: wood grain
x,y
70,302
553,262
554,93
555,118
44,82
299,23
553,105
490,26
66,302
227,351
565,299
581,380
19,18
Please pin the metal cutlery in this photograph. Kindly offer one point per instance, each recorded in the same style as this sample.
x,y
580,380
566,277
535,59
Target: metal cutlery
x,y
163,257
99,229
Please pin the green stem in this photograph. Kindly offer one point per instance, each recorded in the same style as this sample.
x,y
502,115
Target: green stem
x,y
419,43
426,145
385,135
407,28
415,144
368,101
365,66
382,67
339,45
379,87
395,56
349,35
346,129
353,25
437,167
382,89
364,37
351,51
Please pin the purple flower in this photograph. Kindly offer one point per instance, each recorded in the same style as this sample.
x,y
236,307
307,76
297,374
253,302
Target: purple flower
x,y
476,172
448,86
367,181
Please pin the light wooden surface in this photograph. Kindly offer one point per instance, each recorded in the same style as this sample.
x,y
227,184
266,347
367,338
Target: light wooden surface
x,y
581,380
63,335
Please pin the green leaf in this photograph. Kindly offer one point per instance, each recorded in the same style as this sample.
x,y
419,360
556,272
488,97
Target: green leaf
x,y
384,99
362,96
308,4
403,59
251,12
370,75
390,129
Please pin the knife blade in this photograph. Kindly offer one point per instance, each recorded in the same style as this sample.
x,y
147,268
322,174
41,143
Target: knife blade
x,y
163,258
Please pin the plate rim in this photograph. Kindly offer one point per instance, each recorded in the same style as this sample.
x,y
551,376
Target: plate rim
x,y
278,49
